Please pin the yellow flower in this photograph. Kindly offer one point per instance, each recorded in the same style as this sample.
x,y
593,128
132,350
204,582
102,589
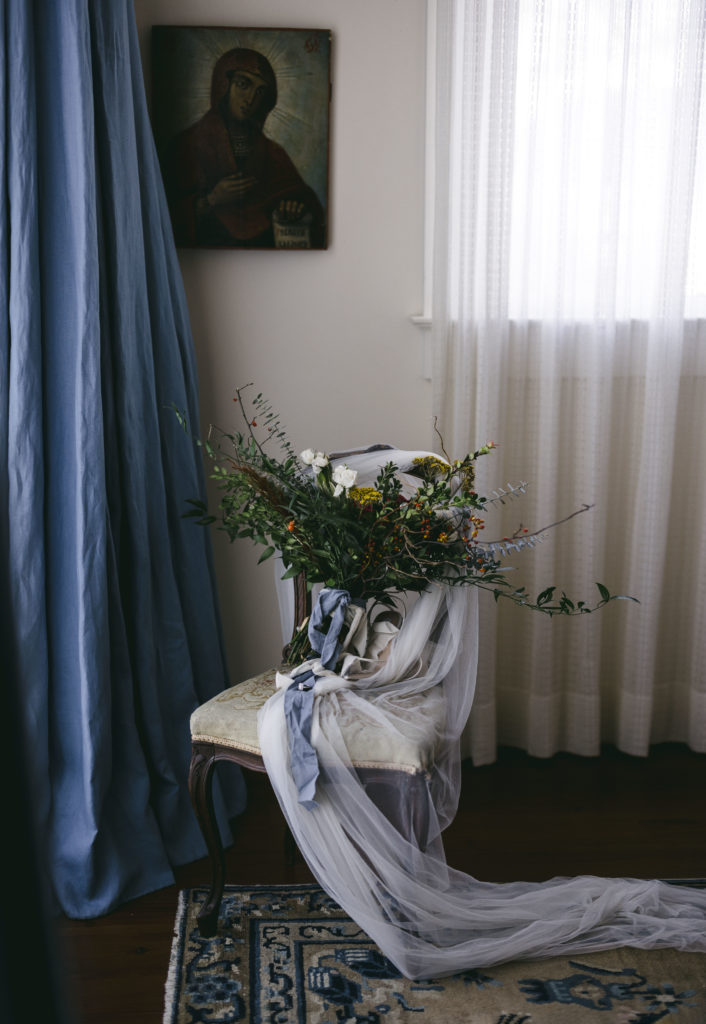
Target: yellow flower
x,y
429,466
365,495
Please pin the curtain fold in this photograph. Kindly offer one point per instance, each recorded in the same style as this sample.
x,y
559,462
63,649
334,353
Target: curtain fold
x,y
112,620
569,136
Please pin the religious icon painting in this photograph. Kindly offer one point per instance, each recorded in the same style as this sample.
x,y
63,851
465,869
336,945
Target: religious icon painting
x,y
241,123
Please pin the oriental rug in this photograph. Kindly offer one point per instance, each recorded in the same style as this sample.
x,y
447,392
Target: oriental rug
x,y
288,954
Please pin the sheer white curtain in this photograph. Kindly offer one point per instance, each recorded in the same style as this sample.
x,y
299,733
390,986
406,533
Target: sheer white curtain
x,y
568,296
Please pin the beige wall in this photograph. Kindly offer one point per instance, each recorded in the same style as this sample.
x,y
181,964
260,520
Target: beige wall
x,y
325,335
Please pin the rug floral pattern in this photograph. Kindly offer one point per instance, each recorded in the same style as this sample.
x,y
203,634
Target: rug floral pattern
x,y
290,955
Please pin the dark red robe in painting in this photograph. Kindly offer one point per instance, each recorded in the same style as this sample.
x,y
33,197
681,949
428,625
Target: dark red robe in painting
x,y
201,156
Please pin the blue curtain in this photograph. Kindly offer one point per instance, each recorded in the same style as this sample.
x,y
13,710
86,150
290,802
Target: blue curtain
x,y
110,624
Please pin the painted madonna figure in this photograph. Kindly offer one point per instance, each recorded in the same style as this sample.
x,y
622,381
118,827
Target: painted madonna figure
x,y
227,182
392,644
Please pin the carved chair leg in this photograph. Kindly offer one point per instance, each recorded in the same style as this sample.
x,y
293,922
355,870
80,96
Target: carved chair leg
x,y
203,762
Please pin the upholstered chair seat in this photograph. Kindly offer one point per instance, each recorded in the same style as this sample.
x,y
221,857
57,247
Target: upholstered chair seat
x,y
230,720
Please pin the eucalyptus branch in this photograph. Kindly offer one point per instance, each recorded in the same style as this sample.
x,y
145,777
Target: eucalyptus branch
x,y
500,496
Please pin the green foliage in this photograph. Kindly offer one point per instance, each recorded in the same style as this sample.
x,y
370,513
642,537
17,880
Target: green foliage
x,y
373,542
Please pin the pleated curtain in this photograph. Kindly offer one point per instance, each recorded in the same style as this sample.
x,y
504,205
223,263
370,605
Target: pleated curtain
x,y
111,634
569,291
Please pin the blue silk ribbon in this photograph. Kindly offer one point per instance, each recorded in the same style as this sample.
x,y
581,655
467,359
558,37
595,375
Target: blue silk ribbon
x,y
299,696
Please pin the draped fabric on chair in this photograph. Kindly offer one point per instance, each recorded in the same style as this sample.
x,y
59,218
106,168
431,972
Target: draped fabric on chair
x,y
569,297
380,855
114,636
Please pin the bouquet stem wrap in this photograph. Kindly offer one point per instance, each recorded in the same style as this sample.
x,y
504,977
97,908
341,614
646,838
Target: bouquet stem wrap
x,y
299,697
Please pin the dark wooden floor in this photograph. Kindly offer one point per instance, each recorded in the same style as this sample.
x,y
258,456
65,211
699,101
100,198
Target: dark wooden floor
x,y
519,818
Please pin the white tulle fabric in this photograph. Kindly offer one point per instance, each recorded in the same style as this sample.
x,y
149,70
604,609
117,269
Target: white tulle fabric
x,y
427,918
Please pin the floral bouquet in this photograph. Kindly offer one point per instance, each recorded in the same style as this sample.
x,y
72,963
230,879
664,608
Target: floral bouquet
x,y
417,525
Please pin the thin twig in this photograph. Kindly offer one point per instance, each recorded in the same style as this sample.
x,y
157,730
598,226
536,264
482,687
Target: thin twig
x,y
535,533
441,439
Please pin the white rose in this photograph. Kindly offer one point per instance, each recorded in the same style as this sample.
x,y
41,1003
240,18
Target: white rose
x,y
344,478
319,462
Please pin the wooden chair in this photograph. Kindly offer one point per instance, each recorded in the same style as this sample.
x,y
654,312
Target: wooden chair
x,y
395,773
